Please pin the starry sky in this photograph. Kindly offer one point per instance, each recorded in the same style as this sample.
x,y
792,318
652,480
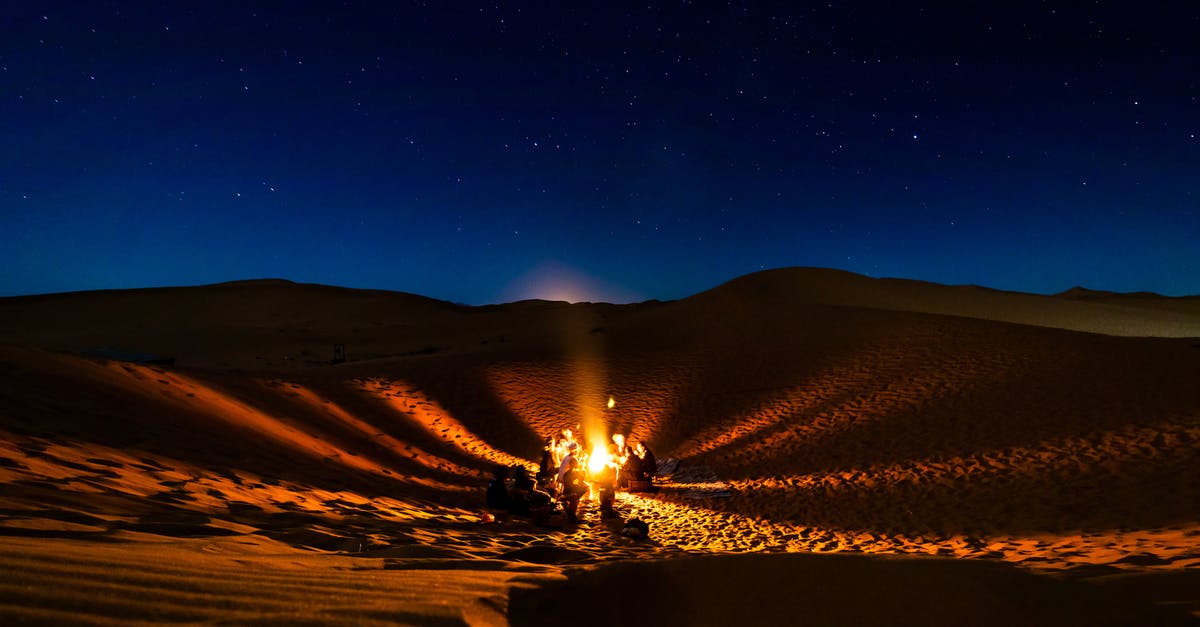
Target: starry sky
x,y
483,153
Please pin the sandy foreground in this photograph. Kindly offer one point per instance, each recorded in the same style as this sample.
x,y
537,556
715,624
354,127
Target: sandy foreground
x,y
849,451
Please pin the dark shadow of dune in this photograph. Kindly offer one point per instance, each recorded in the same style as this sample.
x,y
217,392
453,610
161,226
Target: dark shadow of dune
x,y
349,420
804,356
829,590
1177,589
177,530
66,534
462,390
547,554
1023,408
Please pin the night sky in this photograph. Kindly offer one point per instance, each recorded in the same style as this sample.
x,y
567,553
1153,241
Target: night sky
x,y
485,153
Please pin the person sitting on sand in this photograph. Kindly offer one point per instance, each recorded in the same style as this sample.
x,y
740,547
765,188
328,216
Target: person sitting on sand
x,y
568,458
497,490
547,468
520,496
647,466
619,447
541,503
573,488
562,445
524,497
620,453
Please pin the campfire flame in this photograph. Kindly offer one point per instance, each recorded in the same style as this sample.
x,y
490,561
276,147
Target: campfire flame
x,y
598,459
612,402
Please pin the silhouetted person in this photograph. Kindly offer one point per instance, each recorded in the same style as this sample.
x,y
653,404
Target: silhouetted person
x,y
547,469
647,466
572,451
541,504
497,490
521,498
573,488
620,453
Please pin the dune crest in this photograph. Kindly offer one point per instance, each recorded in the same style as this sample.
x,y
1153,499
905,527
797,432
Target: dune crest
x,y
1135,315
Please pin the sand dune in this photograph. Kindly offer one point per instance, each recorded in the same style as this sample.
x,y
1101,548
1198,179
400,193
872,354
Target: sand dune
x,y
1046,475
1138,315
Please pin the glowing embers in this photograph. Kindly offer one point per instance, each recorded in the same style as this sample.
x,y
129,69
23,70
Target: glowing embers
x,y
433,418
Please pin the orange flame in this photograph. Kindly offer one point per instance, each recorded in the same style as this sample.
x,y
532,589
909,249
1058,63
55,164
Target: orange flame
x,y
598,459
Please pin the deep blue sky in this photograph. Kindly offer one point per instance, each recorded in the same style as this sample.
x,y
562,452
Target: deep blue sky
x,y
483,153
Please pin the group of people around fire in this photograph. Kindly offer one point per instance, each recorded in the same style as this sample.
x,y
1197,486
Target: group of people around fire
x,y
569,470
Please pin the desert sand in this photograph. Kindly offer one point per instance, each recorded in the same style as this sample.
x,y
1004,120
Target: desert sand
x,y
841,450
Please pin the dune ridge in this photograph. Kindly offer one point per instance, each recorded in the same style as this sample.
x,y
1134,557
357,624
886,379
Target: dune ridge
x,y
1136,315
810,411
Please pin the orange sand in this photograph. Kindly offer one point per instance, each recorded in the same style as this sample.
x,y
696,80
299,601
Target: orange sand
x,y
1054,474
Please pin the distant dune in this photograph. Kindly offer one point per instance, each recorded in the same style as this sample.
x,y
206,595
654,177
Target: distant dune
x,y
1138,315
1039,454
1143,300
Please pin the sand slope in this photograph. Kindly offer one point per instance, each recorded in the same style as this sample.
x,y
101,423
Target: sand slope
x,y
810,411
